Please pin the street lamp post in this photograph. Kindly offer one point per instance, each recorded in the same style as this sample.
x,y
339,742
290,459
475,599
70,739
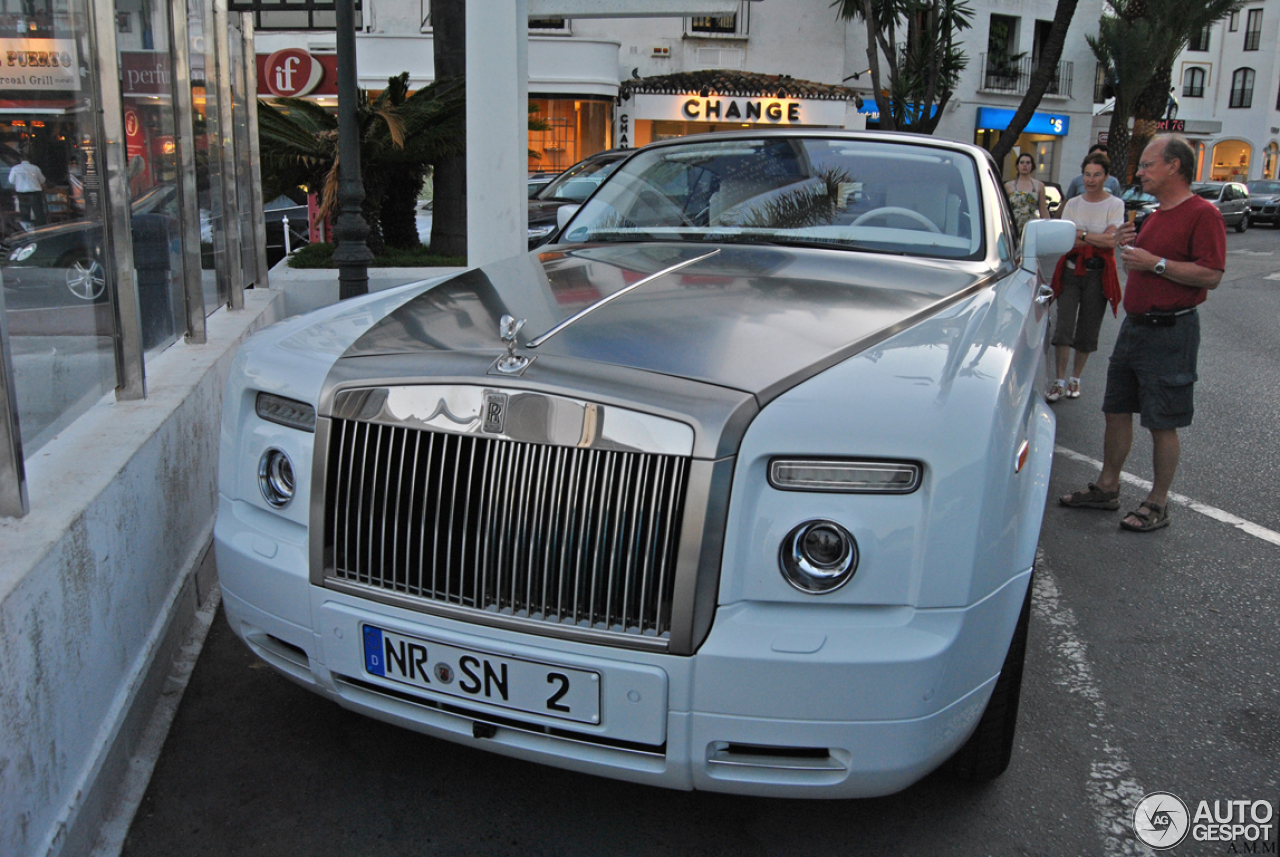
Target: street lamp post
x,y
352,254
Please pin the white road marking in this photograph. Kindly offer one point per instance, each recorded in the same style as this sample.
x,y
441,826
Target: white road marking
x,y
1255,530
1252,252
1111,788
1275,276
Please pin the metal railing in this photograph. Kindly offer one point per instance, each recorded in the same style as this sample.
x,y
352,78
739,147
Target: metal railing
x,y
1002,73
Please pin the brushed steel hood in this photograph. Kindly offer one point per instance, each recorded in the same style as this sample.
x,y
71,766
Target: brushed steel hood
x,y
757,319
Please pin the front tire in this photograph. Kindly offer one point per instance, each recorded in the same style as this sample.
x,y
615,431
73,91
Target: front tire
x,y
986,754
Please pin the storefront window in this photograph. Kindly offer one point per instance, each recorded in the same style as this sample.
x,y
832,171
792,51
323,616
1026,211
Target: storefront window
x,y
146,84
204,100
246,229
1042,147
576,128
53,260
1230,162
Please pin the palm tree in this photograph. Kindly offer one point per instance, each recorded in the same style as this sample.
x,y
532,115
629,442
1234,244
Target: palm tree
x,y
1137,44
400,134
1182,19
923,69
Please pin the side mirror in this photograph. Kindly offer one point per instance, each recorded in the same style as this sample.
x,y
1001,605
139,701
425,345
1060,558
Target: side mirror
x,y
565,212
1044,242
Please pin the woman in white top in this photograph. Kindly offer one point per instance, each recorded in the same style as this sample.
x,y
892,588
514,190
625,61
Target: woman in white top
x,y
1083,296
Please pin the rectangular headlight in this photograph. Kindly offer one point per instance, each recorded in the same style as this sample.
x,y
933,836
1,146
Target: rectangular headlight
x,y
845,477
286,412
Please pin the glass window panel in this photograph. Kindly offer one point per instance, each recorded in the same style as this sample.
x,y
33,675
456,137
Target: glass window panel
x,y
150,129
204,98
53,258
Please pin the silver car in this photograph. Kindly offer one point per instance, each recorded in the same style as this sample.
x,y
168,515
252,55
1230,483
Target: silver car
x,y
1230,198
737,486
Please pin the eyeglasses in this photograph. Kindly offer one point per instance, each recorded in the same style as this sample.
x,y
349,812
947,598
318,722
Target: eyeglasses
x,y
1146,165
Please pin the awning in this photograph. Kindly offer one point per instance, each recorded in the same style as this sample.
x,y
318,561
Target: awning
x,y
40,107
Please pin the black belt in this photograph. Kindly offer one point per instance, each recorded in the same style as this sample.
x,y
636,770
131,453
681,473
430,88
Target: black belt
x,y
1159,318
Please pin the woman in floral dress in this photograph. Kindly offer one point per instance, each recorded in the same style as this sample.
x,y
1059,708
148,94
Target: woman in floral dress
x,y
1026,194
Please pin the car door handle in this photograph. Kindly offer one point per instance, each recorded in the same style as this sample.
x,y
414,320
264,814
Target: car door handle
x,y
1044,294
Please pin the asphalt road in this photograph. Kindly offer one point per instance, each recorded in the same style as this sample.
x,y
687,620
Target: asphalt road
x,y
1152,666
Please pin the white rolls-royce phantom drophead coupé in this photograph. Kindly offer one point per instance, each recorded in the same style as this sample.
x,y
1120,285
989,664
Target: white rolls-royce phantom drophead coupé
x,y
734,485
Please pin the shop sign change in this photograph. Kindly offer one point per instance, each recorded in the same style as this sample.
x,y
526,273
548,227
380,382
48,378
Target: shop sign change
x,y
38,64
291,72
745,110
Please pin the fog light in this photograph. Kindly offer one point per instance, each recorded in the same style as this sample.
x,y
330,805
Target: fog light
x,y
275,478
818,557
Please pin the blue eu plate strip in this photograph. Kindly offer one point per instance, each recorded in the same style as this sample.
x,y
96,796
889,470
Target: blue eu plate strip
x,y
373,650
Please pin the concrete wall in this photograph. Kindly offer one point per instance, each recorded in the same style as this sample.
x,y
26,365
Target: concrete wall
x,y
99,584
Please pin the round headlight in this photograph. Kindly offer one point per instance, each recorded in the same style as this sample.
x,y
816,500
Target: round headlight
x,y
275,478
818,557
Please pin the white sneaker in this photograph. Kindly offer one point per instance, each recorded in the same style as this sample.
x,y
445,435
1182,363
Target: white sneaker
x,y
1054,393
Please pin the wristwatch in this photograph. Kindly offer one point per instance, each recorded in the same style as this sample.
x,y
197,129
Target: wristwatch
x,y
1160,266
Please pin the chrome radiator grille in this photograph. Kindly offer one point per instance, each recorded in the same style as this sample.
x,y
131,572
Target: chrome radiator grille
x,y
576,537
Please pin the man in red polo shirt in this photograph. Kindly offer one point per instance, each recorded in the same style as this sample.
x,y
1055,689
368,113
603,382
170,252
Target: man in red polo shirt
x,y
1179,255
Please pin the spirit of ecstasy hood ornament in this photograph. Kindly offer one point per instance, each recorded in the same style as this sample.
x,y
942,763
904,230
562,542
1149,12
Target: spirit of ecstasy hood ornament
x,y
511,363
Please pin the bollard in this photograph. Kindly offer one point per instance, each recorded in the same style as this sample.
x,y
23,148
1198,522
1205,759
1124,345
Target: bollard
x,y
287,248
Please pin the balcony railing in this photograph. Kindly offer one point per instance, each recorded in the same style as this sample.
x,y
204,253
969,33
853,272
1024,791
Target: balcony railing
x,y
1004,74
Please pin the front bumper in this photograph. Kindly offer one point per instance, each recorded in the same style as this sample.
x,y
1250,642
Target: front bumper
x,y
1269,213
780,700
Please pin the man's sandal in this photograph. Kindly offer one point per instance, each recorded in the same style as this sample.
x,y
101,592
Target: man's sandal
x,y
1151,516
1093,497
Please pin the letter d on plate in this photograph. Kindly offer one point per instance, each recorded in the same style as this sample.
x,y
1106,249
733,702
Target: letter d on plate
x,y
373,650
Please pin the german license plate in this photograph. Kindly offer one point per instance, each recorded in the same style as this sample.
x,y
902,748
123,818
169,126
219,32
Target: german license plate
x,y
528,686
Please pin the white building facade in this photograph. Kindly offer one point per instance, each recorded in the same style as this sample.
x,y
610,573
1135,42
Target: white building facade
x,y
578,68
1226,86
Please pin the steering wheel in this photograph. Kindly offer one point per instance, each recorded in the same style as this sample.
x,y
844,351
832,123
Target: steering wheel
x,y
894,209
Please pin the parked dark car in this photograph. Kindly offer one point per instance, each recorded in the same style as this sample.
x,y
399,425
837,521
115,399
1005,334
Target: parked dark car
x,y
62,264
1231,198
571,187
1139,203
1264,201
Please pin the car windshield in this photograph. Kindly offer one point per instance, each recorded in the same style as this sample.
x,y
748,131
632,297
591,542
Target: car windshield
x,y
916,200
579,181
1135,194
1263,187
1208,191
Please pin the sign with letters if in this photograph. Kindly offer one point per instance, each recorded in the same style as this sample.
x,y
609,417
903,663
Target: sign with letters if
x,y
294,72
